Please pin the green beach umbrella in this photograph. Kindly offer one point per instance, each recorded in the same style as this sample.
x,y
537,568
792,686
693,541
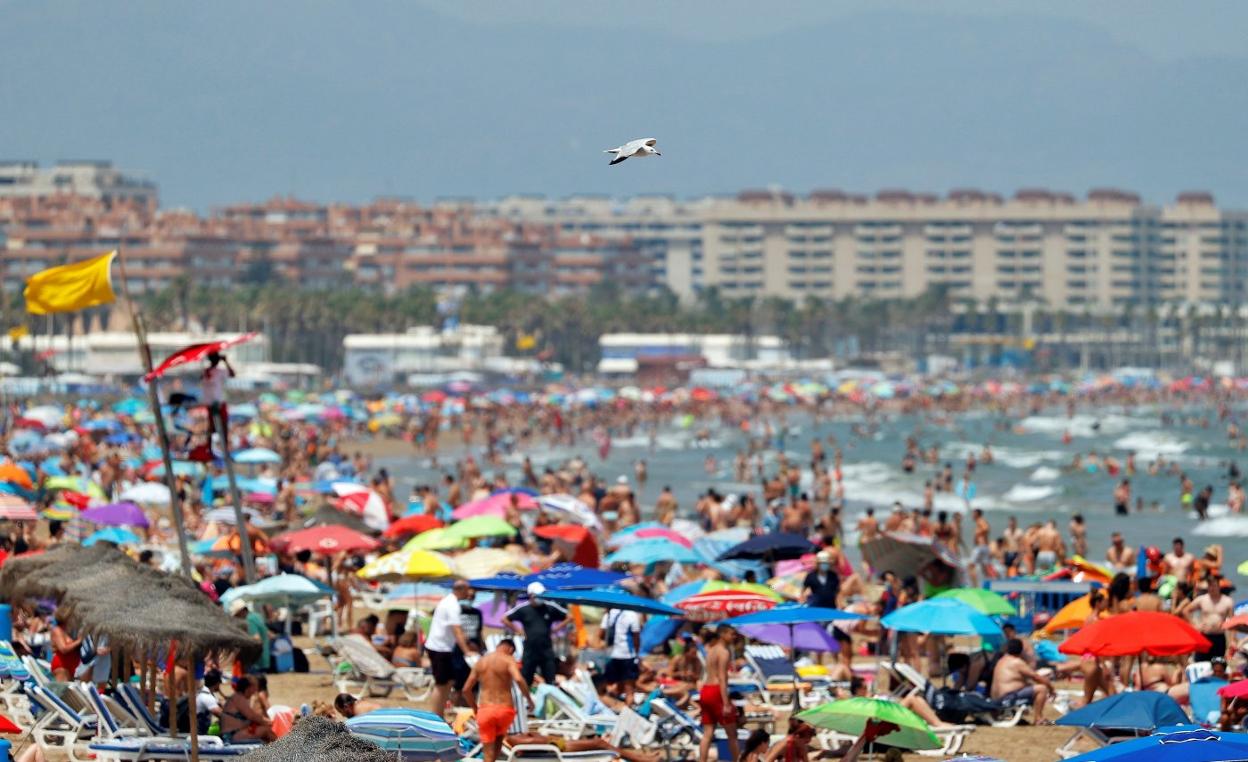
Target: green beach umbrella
x,y
435,539
480,526
851,716
984,601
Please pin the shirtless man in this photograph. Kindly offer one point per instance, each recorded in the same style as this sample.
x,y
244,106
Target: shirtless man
x,y
1049,549
717,707
1013,537
1121,557
1079,535
1013,681
1179,561
496,672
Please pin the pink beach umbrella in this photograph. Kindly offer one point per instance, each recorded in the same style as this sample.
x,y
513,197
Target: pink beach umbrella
x,y
494,505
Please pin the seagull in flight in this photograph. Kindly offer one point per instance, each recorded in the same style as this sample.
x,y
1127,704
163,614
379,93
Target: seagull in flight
x,y
639,148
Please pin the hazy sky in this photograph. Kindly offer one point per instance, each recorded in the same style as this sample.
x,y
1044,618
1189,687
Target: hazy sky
x,y
235,100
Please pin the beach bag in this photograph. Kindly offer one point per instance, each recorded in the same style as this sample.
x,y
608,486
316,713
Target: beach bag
x,y
301,661
184,717
953,706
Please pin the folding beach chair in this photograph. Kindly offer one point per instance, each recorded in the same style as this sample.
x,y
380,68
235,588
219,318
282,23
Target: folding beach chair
x,y
560,714
361,671
61,730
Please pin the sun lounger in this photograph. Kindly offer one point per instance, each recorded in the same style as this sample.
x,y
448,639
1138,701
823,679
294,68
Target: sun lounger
x,y
148,739
368,673
632,728
776,680
1205,702
61,730
560,714
1097,737
533,752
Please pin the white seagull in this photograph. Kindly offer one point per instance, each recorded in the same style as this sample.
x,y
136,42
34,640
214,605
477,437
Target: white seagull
x,y
639,148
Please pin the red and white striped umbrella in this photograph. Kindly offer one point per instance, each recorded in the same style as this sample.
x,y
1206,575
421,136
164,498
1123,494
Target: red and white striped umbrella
x,y
14,508
720,604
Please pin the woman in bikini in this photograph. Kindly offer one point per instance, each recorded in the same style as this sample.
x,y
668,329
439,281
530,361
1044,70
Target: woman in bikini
x,y
240,720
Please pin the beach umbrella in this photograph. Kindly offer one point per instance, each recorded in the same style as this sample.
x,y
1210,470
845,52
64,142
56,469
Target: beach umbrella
x,y
147,493
180,468
495,505
15,474
983,601
325,540
75,484
576,542
905,555
436,539
50,416
13,508
278,590
612,599
851,716
940,617
1072,616
651,552
481,526
793,626
558,577
649,533
1237,622
1183,744
115,535
116,514
409,734
770,548
719,585
1143,711
256,455
225,515
415,595
572,509
367,503
408,564
487,562
807,636
1136,632
1235,690
725,603
413,524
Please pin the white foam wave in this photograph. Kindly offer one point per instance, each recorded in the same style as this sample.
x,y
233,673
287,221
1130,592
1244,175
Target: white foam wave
x,y
1223,526
1028,493
1150,443
1045,474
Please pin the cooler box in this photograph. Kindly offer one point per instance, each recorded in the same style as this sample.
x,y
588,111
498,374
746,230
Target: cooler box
x,y
282,652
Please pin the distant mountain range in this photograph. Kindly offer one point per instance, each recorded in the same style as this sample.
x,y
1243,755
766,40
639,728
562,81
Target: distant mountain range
x,y
220,102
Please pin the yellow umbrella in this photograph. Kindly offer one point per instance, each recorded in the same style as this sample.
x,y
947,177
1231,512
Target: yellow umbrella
x,y
488,562
408,564
436,539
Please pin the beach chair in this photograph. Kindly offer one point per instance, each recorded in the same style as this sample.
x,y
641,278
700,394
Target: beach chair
x,y
560,714
361,671
320,617
1098,737
675,729
633,729
776,680
1206,704
123,737
61,730
493,639
540,752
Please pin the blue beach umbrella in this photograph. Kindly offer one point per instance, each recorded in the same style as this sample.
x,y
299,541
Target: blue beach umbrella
x,y
778,546
612,599
279,590
558,577
115,535
941,616
1139,710
410,734
257,455
1184,744
653,551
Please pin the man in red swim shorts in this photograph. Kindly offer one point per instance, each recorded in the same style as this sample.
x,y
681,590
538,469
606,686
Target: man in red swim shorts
x,y
717,708
495,672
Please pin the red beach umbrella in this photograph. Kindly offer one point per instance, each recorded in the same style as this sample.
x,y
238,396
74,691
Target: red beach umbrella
x,y
1152,632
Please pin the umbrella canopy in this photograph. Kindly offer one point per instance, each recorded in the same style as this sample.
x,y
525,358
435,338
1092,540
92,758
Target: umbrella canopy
x,y
147,493
652,552
408,564
115,535
778,546
983,601
1153,632
851,716
281,590
572,509
612,599
487,562
436,539
1235,690
793,614
557,577
906,555
1182,745
1138,710
14,508
481,526
413,524
415,595
806,636
411,734
257,455
726,603
1072,616
578,542
718,585
116,514
494,505
15,474
620,539
941,617
325,540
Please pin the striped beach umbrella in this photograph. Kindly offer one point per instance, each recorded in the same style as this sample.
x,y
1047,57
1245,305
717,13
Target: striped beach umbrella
x,y
14,508
408,564
410,734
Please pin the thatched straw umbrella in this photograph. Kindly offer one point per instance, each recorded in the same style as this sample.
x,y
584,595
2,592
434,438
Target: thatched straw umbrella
x,y
317,739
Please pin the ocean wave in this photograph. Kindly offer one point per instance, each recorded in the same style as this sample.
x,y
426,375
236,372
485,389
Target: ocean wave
x,y
1223,526
1028,493
1149,443
1081,425
1045,474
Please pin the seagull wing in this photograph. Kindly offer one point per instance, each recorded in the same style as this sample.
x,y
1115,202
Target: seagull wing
x,y
652,142
619,158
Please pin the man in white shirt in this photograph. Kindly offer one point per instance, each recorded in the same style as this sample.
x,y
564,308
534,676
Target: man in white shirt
x,y
445,632
206,700
622,631
212,384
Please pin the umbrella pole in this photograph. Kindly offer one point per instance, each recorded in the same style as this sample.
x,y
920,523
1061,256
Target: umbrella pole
x,y
171,689
249,563
193,700
797,685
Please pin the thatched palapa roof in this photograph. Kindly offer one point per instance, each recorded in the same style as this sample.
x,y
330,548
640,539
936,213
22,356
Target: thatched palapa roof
x,y
318,739
102,591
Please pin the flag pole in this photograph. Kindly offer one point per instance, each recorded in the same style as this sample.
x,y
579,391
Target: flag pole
x,y
244,529
153,397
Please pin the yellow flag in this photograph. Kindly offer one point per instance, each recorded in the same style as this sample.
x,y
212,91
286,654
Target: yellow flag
x,y
71,287
18,331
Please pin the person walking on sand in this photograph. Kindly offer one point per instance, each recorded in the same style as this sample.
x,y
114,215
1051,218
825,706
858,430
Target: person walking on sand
x,y
717,707
495,673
